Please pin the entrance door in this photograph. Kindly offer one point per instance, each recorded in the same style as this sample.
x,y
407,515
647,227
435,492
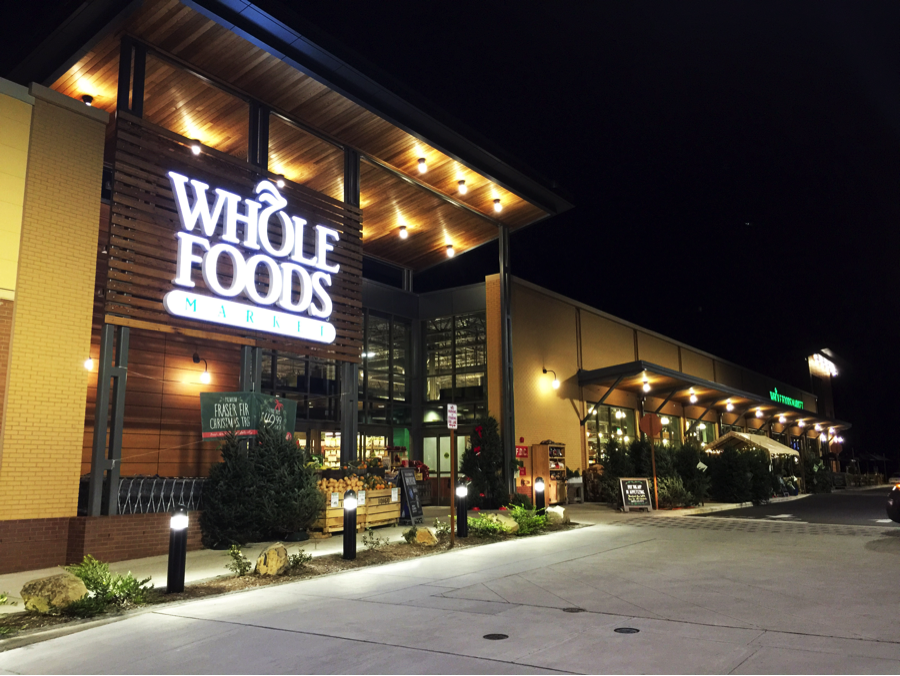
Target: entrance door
x,y
436,454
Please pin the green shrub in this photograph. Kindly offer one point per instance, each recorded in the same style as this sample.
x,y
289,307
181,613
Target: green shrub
x,y
816,474
530,522
86,606
240,565
729,476
4,599
762,481
410,535
519,500
483,463
298,561
261,493
672,492
372,542
695,480
441,528
486,526
110,588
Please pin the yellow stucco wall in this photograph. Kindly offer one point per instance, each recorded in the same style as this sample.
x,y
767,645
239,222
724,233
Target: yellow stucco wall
x,y
15,130
545,335
43,418
605,342
657,351
696,364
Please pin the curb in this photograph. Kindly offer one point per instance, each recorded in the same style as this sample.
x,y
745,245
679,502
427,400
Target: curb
x,y
707,509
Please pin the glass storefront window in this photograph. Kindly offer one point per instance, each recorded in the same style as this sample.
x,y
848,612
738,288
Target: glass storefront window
x,y
726,428
310,381
384,371
605,423
671,431
456,365
703,432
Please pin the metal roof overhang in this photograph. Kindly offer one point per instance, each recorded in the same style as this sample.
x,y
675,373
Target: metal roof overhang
x,y
669,385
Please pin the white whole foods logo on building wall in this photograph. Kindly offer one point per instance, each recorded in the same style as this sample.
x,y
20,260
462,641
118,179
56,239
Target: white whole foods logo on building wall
x,y
296,303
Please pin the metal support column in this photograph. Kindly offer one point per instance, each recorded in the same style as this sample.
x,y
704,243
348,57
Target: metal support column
x,y
508,410
350,371
250,378
103,491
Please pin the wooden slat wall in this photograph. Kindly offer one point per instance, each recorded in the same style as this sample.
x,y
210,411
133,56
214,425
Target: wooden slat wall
x,y
222,55
144,222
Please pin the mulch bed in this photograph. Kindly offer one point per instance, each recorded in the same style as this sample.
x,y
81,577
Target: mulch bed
x,y
13,624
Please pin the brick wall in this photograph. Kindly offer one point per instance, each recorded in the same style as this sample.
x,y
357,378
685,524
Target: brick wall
x,y
43,420
30,544
6,316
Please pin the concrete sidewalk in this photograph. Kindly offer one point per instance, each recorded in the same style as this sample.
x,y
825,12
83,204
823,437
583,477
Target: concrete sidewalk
x,y
702,599
207,564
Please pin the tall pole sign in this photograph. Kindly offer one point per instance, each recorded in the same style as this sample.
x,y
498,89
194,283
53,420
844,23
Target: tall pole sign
x,y
452,424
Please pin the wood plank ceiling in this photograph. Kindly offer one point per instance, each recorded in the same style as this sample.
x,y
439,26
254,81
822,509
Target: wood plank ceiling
x,y
186,104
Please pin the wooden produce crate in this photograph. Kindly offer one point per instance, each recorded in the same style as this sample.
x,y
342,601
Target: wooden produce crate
x,y
380,509
332,519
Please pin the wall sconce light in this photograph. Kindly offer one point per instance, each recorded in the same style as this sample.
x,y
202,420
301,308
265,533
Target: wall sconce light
x,y
646,385
423,165
88,100
404,233
462,187
497,206
555,382
693,396
450,252
782,420
729,406
195,146
89,364
204,377
759,413
801,423
818,428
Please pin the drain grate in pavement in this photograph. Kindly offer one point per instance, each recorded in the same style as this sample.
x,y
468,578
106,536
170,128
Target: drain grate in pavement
x,y
495,637
626,630
573,610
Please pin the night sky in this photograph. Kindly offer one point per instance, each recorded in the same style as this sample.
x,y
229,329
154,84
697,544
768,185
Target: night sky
x,y
672,126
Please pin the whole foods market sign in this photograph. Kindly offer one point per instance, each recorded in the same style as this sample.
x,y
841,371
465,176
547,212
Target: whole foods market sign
x,y
778,398
233,258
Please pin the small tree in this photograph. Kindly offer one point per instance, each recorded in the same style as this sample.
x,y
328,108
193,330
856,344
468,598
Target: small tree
x,y
483,464
696,481
761,479
230,510
289,499
728,475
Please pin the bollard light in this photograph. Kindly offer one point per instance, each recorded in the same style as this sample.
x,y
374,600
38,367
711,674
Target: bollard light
x,y
540,500
462,512
178,531
349,525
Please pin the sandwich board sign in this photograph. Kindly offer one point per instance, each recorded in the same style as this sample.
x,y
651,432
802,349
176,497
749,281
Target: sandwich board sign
x,y
636,494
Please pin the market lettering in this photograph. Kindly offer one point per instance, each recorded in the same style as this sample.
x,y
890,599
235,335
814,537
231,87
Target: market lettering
x,y
782,399
245,253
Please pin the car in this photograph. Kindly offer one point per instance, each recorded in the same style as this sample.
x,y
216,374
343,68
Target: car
x,y
893,503
895,479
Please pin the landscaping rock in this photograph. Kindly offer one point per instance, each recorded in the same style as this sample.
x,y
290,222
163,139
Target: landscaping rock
x,y
273,561
508,523
57,591
425,537
558,515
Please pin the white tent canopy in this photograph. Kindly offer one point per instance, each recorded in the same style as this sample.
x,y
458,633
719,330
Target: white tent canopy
x,y
742,439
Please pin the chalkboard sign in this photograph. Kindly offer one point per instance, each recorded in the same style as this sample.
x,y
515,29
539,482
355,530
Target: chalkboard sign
x,y
636,494
411,510
839,480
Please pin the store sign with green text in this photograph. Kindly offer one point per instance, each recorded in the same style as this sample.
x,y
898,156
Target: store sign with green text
x,y
778,398
245,413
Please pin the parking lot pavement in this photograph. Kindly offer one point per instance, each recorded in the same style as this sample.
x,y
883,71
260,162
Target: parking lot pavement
x,y
857,507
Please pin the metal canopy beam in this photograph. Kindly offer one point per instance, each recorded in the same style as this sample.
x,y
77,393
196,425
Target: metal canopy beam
x,y
667,399
604,397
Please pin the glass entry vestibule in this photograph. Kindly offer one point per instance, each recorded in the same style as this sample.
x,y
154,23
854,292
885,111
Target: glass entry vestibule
x,y
436,454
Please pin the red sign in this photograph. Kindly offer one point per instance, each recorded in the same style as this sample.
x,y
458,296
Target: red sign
x,y
522,472
451,417
651,425
521,451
